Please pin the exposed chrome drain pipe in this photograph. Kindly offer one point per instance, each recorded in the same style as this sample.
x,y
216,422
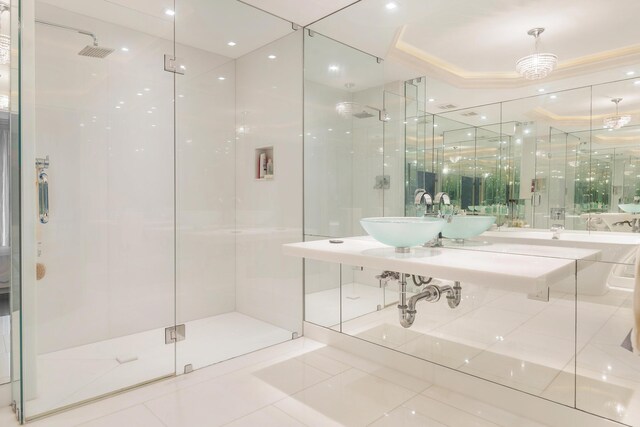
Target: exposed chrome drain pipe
x,y
432,293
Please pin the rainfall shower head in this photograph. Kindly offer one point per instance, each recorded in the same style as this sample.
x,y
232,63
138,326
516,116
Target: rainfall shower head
x,y
362,115
93,51
346,109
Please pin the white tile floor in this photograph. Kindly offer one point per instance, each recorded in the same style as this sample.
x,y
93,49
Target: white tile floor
x,y
74,375
509,339
297,383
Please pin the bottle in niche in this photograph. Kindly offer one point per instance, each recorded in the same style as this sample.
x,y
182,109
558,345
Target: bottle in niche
x,y
269,173
263,165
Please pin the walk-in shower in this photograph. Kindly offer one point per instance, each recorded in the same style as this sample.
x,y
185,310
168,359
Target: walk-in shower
x,y
161,249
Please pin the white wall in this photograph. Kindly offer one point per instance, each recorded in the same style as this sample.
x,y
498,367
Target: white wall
x,y
269,213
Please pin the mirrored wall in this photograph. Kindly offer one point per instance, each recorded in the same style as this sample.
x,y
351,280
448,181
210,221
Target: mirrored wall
x,y
562,186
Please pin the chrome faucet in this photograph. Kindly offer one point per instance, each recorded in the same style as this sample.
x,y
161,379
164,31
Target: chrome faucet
x,y
556,229
421,197
442,199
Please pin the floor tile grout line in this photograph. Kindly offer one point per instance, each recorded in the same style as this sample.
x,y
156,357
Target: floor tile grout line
x,y
267,406
475,415
397,407
154,415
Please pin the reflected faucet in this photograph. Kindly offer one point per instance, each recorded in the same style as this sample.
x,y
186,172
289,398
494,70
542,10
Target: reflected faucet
x,y
422,197
556,229
442,199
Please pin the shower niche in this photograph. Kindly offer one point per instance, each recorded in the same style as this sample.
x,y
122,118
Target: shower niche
x,y
263,163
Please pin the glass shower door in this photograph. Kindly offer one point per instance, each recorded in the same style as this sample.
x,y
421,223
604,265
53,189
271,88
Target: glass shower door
x,y
98,164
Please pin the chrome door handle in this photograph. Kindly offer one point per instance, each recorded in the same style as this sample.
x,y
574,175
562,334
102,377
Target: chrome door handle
x,y
43,196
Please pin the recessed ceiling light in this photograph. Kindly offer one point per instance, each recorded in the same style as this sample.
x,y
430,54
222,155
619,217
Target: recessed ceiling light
x,y
124,49
391,5
483,117
541,90
334,68
221,78
169,12
435,125
431,99
630,73
637,82
231,43
553,96
146,89
139,93
271,56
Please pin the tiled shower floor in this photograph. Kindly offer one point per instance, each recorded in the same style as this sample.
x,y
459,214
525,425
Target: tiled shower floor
x,y
73,375
510,339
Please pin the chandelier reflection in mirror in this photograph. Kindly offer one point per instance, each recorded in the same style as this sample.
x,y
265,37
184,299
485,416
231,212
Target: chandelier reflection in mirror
x,y
616,121
537,65
455,157
5,41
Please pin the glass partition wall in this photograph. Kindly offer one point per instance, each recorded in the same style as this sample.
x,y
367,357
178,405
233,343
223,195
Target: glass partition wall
x,y
163,150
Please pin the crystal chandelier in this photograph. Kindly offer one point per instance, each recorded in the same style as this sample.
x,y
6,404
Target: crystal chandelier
x,y
537,65
617,121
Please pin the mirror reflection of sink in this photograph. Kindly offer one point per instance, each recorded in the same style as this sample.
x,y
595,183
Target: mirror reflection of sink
x,y
630,207
467,226
403,232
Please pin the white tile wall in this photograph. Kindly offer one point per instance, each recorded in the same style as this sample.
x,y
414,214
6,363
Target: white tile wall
x,y
269,213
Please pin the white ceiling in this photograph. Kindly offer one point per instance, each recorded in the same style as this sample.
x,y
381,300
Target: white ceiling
x,y
483,38
302,12
204,24
488,35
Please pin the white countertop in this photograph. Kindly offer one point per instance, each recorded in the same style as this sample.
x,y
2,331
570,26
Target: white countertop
x,y
530,269
577,237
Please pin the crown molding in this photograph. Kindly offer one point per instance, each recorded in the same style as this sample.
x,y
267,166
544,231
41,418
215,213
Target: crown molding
x,y
436,67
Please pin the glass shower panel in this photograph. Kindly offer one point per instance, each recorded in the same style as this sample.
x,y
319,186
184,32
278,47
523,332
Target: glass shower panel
x,y
347,173
95,315
238,96
393,192
11,27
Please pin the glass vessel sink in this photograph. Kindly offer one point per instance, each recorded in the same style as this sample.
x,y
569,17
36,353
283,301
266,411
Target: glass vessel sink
x,y
630,207
466,226
403,232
